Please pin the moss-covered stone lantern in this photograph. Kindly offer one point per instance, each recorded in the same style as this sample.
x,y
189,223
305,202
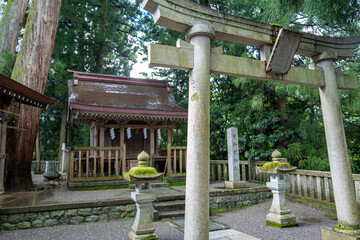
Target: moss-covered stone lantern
x,y
142,176
280,215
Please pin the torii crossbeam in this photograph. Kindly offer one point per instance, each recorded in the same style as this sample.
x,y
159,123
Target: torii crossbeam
x,y
202,25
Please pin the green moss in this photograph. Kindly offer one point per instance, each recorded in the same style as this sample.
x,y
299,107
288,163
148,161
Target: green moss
x,y
344,228
273,165
256,181
143,171
272,224
301,199
150,237
176,184
274,27
325,205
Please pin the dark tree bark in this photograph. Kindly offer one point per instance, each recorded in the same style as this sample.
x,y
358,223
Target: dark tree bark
x,y
31,69
102,37
10,24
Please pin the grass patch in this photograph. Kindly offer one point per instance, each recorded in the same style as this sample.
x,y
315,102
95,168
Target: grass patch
x,y
102,188
176,184
325,205
256,181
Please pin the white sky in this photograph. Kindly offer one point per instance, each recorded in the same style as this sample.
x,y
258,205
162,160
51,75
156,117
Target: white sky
x,y
139,67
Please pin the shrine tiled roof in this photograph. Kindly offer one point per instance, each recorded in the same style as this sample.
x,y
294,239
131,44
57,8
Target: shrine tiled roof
x,y
107,97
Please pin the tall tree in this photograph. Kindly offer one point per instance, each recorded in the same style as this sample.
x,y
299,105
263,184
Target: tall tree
x,y
10,24
31,69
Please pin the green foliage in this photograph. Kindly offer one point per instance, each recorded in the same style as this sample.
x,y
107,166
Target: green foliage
x,y
7,62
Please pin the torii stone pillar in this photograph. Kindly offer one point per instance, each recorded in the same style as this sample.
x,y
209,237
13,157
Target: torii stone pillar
x,y
198,140
343,185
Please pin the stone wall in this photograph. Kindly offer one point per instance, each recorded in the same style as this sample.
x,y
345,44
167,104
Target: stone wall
x,y
111,210
238,198
65,217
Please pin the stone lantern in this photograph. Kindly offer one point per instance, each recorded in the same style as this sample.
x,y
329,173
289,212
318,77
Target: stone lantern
x,y
142,176
280,215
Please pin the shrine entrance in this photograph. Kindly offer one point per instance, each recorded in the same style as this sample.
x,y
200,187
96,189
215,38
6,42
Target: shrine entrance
x,y
202,25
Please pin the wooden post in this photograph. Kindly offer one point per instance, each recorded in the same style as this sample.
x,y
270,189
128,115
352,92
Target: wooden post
x,y
175,162
95,153
169,141
3,128
318,188
249,168
87,163
72,164
38,149
181,160
102,137
109,164
117,163
102,162
123,162
96,130
79,168
123,155
152,146
168,160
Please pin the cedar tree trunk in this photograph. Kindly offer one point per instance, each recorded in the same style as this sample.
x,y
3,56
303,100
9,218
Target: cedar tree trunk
x,y
10,24
31,69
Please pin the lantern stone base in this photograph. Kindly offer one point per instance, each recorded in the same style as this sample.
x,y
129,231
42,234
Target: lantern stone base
x,y
281,221
133,236
142,226
329,234
234,184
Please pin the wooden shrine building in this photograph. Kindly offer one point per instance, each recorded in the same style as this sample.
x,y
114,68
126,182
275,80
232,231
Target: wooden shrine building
x,y
126,116
14,94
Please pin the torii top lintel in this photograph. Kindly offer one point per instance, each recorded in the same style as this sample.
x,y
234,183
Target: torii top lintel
x,y
180,15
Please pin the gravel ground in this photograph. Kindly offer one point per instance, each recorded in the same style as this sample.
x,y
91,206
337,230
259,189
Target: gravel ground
x,y
250,220
94,231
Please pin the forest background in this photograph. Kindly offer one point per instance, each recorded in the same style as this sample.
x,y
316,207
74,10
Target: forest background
x,y
110,36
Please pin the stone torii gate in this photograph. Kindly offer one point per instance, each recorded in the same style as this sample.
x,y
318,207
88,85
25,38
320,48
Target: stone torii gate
x,y
202,25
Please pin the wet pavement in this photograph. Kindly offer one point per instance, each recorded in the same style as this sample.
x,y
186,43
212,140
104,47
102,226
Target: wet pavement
x,y
55,192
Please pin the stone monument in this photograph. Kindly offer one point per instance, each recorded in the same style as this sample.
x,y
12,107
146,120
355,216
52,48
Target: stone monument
x,y
280,214
233,160
143,197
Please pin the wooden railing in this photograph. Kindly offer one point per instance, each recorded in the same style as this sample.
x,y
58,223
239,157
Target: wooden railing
x,y
316,185
96,163
218,170
175,160
54,165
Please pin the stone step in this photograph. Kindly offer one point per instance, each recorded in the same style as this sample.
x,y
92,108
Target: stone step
x,y
153,185
172,214
170,206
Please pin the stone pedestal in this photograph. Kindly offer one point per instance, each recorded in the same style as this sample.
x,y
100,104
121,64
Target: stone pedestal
x,y
280,214
329,234
234,184
142,226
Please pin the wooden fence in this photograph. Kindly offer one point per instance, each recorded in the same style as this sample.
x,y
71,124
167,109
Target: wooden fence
x,y
175,160
96,163
54,165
